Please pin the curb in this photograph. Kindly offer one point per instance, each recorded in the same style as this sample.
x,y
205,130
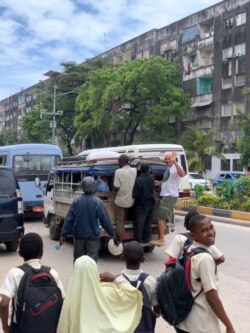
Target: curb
x,y
215,218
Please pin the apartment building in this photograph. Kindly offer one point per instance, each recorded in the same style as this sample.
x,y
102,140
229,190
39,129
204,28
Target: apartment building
x,y
212,45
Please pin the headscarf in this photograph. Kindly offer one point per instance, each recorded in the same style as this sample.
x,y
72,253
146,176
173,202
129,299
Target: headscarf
x,y
92,306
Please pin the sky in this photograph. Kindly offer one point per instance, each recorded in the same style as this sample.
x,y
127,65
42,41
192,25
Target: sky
x,y
36,36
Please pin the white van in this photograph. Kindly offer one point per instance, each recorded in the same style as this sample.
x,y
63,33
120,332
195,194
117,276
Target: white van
x,y
152,151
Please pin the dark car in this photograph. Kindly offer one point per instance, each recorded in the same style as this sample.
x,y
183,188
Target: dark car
x,y
11,209
227,176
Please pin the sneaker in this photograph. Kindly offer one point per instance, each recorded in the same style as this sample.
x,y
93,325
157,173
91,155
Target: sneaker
x,y
157,242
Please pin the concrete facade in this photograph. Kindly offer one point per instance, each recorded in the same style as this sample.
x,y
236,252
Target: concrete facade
x,y
212,46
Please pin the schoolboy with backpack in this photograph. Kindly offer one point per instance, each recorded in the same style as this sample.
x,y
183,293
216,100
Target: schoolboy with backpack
x,y
193,280
183,241
133,255
35,290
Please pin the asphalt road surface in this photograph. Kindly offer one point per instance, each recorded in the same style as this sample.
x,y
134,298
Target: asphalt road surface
x,y
233,241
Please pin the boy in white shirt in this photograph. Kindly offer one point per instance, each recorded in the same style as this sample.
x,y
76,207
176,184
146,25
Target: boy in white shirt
x,y
207,309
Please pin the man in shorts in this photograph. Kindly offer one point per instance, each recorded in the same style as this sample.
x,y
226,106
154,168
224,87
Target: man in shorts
x,y
169,195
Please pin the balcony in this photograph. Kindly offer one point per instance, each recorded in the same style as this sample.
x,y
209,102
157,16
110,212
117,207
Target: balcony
x,y
208,41
193,72
202,100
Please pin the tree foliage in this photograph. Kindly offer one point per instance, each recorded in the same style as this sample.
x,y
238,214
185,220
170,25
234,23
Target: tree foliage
x,y
130,102
37,129
198,145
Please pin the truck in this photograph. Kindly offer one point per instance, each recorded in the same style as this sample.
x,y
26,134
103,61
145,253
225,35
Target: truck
x,y
63,187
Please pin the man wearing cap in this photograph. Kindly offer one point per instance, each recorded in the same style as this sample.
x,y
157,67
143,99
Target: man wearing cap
x,y
169,195
83,218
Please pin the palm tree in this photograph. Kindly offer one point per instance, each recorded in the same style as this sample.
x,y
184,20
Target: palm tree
x,y
199,144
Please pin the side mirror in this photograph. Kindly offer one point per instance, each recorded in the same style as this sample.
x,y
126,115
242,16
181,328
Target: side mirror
x,y
37,182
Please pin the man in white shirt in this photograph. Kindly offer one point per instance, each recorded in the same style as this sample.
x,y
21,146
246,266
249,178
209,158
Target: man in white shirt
x,y
169,195
123,182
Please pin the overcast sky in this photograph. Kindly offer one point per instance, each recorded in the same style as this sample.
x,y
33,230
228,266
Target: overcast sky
x,y
37,35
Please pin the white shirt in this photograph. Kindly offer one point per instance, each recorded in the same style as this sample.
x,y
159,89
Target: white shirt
x,y
149,283
170,186
202,319
124,180
176,247
11,282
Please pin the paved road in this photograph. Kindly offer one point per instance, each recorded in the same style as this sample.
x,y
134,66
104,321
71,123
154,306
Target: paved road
x,y
234,274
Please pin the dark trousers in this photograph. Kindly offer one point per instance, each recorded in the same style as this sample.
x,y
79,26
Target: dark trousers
x,y
14,328
86,247
143,218
178,330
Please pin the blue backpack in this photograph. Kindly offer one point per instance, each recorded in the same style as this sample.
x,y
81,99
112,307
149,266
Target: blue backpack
x,y
148,318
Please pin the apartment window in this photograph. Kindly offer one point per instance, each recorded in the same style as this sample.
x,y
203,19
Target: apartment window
x,y
226,110
225,165
227,82
240,49
238,107
189,34
240,19
236,165
208,162
240,80
227,53
204,86
229,22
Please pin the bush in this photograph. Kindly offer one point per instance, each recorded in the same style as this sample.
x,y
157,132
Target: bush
x,y
242,186
210,200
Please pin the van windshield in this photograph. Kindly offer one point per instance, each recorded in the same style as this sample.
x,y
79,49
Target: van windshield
x,y
7,184
28,164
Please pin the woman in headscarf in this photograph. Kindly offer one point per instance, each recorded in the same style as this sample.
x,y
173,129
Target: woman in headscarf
x,y
92,306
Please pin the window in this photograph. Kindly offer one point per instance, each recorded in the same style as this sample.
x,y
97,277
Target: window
x,y
236,165
226,110
204,86
208,162
229,22
240,80
189,34
3,160
227,53
240,49
225,165
240,19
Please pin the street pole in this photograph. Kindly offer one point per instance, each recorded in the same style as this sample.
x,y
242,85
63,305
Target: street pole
x,y
54,112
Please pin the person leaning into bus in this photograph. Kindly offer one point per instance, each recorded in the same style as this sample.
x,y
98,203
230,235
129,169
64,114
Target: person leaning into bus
x,y
123,183
169,195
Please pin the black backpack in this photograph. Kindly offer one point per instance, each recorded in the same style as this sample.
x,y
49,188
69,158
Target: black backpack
x,y
39,301
148,318
174,288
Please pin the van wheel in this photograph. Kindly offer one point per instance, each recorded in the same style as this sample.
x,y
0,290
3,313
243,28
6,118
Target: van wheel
x,y
12,246
149,248
54,232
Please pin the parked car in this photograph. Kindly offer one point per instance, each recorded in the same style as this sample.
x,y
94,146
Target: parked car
x,y
11,209
227,176
196,178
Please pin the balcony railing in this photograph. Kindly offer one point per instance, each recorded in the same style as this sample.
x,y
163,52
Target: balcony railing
x,y
202,100
190,73
206,42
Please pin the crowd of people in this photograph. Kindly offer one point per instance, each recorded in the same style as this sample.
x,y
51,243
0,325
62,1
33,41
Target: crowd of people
x,y
102,302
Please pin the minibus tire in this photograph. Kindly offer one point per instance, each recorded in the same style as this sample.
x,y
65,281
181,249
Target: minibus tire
x,y
12,246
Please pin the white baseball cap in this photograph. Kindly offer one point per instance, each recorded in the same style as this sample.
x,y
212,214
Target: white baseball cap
x,y
115,248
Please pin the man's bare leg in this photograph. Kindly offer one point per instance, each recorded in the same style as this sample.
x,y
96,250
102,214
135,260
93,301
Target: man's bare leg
x,y
161,227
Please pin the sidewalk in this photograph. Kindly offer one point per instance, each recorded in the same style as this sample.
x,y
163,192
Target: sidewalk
x,y
218,218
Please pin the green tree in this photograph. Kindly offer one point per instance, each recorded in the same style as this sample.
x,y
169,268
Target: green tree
x,y
243,143
37,129
130,102
198,145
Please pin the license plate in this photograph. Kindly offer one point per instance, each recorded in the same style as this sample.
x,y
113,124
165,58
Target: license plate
x,y
38,209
